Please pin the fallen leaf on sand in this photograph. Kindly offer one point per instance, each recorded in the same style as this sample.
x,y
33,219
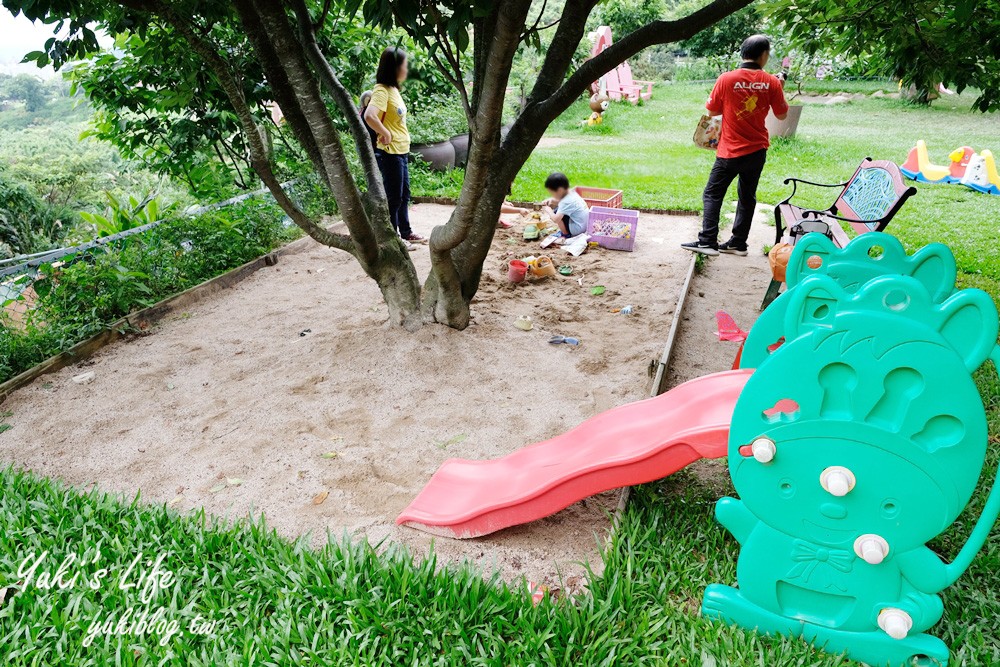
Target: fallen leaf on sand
x,y
175,501
320,497
329,455
217,488
453,440
234,481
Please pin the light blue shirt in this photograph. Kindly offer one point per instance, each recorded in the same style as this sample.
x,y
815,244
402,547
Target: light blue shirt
x,y
575,209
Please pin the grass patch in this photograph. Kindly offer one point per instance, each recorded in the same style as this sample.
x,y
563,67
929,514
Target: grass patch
x,y
279,602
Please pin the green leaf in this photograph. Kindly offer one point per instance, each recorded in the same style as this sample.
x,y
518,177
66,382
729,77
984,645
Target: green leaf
x,y
43,288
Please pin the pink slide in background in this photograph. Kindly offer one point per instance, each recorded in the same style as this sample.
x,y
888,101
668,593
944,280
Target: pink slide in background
x,y
632,444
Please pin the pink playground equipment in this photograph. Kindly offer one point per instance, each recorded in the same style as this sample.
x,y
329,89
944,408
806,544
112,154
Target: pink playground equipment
x,y
619,82
631,444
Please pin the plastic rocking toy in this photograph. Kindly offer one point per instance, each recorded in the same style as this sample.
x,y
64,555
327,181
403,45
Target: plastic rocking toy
x,y
854,444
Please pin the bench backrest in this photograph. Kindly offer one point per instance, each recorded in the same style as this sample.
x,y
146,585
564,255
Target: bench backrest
x,y
874,193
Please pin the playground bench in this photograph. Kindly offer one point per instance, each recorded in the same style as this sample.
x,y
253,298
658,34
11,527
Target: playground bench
x,y
868,201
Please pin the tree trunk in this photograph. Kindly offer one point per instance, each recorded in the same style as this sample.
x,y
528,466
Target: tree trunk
x,y
459,248
454,278
397,279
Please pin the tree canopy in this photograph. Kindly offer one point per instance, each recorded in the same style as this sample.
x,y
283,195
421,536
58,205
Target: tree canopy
x,y
24,88
922,42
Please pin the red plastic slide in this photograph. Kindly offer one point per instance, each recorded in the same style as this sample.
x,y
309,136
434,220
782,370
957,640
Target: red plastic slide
x,y
632,444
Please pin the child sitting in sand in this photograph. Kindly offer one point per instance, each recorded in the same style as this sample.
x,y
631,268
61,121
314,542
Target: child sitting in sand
x,y
571,212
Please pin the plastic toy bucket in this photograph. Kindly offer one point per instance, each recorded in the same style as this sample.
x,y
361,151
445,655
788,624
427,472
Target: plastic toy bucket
x,y
517,270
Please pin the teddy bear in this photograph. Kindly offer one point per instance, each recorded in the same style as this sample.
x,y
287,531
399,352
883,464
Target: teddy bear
x,y
599,103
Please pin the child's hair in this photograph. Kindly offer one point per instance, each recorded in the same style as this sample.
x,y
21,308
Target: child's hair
x,y
365,99
388,66
556,181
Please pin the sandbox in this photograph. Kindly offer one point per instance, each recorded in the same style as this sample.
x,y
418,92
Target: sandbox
x,y
289,395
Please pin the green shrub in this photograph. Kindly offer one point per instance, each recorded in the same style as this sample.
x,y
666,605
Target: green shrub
x,y
124,214
699,69
656,63
435,118
625,16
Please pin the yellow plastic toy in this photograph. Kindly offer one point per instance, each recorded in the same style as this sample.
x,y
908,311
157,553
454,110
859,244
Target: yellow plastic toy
x,y
918,166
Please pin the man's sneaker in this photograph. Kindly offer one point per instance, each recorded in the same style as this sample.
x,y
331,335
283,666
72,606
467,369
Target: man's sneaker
x,y
414,238
730,247
409,246
702,248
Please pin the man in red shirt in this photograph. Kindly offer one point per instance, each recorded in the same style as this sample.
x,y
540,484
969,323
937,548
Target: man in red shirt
x,y
743,97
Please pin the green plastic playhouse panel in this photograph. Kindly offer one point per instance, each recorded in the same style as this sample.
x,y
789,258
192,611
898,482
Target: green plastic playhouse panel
x,y
867,256
855,443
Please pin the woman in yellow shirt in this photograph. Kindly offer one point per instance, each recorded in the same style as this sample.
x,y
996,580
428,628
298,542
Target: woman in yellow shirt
x,y
386,115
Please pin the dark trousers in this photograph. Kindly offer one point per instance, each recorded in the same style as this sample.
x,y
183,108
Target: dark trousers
x,y
396,181
747,168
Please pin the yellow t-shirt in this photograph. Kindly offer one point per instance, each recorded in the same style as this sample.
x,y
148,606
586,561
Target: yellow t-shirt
x,y
392,113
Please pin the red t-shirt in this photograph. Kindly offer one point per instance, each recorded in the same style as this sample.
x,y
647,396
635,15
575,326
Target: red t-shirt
x,y
743,97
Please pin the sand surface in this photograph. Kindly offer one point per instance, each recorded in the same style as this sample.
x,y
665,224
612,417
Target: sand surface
x,y
733,284
289,386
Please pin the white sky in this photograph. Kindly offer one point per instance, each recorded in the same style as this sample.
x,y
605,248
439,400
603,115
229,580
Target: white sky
x,y
19,36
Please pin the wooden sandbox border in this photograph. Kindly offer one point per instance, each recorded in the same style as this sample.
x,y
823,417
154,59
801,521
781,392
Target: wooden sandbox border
x,y
143,319
451,201
658,385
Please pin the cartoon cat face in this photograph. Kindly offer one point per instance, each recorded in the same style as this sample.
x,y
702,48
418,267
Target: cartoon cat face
x,y
876,387
886,496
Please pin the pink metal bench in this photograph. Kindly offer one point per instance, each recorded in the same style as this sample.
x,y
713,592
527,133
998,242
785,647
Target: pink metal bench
x,y
868,202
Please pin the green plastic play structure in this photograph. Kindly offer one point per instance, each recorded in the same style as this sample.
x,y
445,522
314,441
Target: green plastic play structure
x,y
860,438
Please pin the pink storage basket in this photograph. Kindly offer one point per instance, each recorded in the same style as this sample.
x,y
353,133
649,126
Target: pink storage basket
x,y
613,228
600,196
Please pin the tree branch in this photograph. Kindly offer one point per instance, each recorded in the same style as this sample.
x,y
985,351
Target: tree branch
x,y
538,19
491,89
288,71
559,55
453,70
657,32
341,97
258,153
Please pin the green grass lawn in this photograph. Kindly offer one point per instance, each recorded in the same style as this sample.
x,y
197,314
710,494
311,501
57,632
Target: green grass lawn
x,y
647,152
276,602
